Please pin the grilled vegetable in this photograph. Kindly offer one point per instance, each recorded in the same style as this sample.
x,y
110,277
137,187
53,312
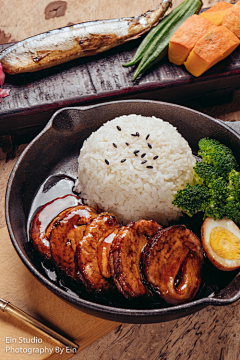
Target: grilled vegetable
x,y
158,46
147,42
185,38
213,47
231,19
215,13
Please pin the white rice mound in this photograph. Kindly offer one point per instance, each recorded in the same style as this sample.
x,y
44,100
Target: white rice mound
x,y
129,189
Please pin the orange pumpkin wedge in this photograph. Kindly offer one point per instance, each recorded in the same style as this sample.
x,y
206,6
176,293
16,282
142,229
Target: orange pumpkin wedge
x,y
213,47
185,38
231,19
215,13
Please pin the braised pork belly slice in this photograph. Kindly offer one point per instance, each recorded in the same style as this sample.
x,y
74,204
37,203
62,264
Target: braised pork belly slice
x,y
171,264
87,252
124,257
44,219
145,227
103,253
66,233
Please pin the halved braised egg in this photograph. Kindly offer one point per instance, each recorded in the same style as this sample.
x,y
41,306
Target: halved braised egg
x,y
221,243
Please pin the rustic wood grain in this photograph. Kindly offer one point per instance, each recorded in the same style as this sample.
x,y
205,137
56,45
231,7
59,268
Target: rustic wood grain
x,y
102,77
212,333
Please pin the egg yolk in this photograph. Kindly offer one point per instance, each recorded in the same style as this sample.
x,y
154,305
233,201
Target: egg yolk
x,y
224,243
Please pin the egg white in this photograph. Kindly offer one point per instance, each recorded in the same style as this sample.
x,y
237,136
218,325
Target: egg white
x,y
218,261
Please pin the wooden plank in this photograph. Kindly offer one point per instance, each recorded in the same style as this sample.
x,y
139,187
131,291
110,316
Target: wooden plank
x,y
21,288
87,338
101,78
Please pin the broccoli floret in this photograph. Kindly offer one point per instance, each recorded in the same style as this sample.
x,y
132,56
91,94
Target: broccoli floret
x,y
218,155
234,181
218,189
218,194
232,210
211,199
217,184
204,173
192,199
233,200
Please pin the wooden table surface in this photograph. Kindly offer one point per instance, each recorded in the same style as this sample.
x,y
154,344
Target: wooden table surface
x,y
212,333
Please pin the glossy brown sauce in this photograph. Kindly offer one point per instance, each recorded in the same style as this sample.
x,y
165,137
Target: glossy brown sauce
x,y
55,190
53,208
103,254
40,229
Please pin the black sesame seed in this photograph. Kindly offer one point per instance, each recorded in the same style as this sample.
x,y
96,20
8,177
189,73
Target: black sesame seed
x,y
142,156
133,134
147,136
106,161
118,127
155,157
115,145
127,144
144,162
136,152
149,167
137,133
123,160
150,146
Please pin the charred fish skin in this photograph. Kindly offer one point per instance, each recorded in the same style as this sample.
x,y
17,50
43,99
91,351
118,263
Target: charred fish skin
x,y
85,39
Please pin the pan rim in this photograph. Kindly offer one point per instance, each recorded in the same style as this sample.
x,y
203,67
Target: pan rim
x,y
130,314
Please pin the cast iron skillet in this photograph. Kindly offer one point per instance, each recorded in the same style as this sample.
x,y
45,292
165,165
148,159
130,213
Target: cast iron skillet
x,y
53,155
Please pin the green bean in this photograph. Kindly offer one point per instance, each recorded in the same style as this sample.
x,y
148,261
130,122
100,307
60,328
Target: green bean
x,y
158,47
151,36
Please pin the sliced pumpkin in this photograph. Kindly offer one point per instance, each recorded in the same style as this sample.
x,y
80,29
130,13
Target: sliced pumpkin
x,y
213,47
215,13
185,38
231,19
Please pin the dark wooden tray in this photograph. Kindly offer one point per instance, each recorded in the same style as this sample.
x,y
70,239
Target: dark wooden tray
x,y
35,96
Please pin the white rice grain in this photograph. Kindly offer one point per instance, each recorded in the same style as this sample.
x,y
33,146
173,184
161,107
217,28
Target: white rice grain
x,y
129,189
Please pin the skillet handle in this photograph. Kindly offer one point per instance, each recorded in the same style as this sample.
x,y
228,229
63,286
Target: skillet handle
x,y
229,294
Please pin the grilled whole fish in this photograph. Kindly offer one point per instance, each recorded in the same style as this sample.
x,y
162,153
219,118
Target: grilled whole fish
x,y
68,43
